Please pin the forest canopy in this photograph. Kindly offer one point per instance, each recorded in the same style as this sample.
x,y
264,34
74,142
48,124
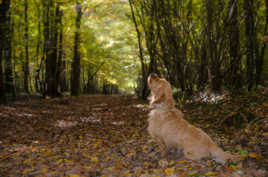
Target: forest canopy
x,y
51,47
107,44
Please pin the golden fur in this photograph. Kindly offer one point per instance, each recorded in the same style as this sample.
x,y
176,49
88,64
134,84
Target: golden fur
x,y
161,92
170,130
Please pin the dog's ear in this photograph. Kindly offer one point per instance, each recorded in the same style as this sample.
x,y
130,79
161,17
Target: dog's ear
x,y
153,76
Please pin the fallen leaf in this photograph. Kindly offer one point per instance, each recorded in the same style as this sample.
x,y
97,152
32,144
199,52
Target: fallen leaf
x,y
210,173
169,171
254,155
44,170
265,134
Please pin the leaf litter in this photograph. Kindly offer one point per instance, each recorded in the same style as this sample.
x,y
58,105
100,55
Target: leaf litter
x,y
101,135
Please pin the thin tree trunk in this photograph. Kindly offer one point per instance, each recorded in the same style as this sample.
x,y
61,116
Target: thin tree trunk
x,y
38,66
214,64
26,37
250,38
234,47
145,91
2,90
259,62
60,48
75,80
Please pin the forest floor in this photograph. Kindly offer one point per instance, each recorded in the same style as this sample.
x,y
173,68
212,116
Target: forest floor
x,y
101,135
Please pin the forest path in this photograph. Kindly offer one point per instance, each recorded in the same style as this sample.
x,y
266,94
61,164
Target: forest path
x,y
95,135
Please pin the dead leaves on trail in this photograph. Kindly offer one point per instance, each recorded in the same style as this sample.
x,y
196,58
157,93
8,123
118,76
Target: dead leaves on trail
x,y
99,136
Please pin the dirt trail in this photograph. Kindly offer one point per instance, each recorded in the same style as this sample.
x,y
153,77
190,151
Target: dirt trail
x,y
92,135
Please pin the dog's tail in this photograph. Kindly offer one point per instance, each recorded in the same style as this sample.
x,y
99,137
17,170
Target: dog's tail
x,y
221,157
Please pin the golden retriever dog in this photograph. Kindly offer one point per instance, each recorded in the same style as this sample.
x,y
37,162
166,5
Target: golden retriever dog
x,y
168,128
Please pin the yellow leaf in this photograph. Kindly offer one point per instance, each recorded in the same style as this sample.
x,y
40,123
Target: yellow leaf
x,y
234,113
60,161
265,134
169,171
233,167
73,175
94,159
192,173
48,153
156,170
130,154
68,161
127,174
181,169
210,173
27,170
144,148
255,156
44,170
182,161
172,162
28,161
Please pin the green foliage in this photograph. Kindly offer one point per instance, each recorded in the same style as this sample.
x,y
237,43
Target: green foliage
x,y
108,39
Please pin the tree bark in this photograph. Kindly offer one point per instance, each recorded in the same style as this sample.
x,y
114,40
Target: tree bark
x,y
75,79
51,35
2,90
2,21
5,32
260,60
59,27
250,41
235,59
214,63
26,37
38,65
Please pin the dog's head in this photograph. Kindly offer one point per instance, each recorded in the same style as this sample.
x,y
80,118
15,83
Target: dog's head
x,y
152,80
161,90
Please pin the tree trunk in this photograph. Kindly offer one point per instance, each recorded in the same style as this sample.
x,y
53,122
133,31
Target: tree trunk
x,y
2,42
26,37
75,80
59,27
38,66
63,81
145,90
62,62
260,60
51,34
5,32
250,41
234,42
214,63
2,90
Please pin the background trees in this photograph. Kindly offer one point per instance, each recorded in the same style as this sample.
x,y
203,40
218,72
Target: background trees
x,y
51,47
204,43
